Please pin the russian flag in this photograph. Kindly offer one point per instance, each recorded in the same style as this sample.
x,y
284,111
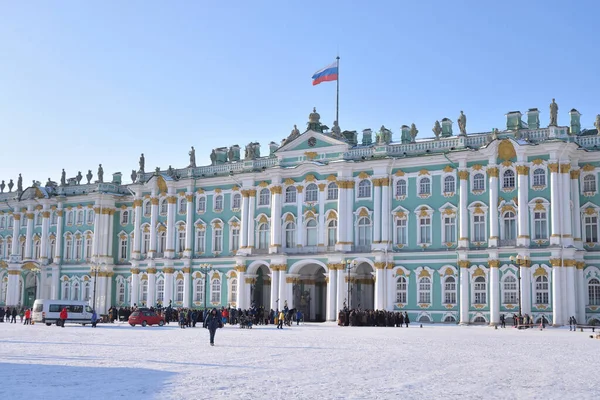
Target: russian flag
x,y
329,73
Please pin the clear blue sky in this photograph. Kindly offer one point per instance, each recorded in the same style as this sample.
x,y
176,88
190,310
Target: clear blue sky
x,y
83,84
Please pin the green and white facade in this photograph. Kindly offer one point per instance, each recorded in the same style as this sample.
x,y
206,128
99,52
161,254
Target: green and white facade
x,y
427,226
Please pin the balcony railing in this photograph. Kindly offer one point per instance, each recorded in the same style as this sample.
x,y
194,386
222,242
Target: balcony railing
x,y
507,242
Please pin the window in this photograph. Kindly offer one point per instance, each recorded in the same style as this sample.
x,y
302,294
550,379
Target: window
x,y
449,184
147,208
38,219
480,290
312,193
123,248
78,248
510,290
161,242
237,201
264,197
290,194
215,292
290,235
449,229
70,218
510,226
11,220
594,292
233,291
160,290
68,248
2,222
401,188
200,235
75,291
542,290
364,189
88,246
51,249
425,290
201,204
540,225
199,290
425,229
479,228
332,191
508,179
66,290
179,290
364,231
90,217
311,232
164,206
145,242
124,217
590,223
80,217
401,231
218,240
263,236
478,182
450,290
144,298
425,187
589,183
121,293
235,238
86,291
401,289
181,239
332,232
539,177
182,205
218,202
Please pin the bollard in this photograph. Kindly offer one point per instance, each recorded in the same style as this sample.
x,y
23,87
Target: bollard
x,y
421,326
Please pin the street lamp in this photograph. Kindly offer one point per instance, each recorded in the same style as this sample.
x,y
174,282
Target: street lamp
x,y
521,261
95,268
205,268
349,264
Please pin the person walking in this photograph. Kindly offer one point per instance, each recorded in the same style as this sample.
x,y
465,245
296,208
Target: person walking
x,y
28,317
502,321
213,322
406,320
63,316
13,315
298,317
94,318
182,319
280,319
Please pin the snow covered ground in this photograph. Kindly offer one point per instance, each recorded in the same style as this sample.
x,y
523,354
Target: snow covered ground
x,y
321,361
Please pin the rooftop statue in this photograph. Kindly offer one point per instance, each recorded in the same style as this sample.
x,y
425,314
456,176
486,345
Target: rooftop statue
x,y
133,176
20,184
494,133
157,171
553,113
384,136
100,174
413,133
171,171
314,117
462,124
336,131
2,186
234,153
89,176
79,177
213,157
437,129
10,185
597,123
192,154
293,135
63,178
142,163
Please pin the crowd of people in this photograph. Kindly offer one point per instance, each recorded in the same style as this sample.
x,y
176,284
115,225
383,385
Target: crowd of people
x,y
10,315
358,317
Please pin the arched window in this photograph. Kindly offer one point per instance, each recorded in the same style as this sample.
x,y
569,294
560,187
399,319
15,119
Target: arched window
x,y
401,231
66,291
219,203
263,236
75,291
215,292
290,194
237,201
181,239
508,179
182,205
510,290
123,247
590,228
364,189
332,191
201,204
200,242
179,290
80,217
160,290
542,290
364,231
424,186
450,290
449,318
162,242
2,223
290,235
401,188
38,219
147,208
164,206
425,290
144,294
332,232
480,290
145,242
86,291
540,225
124,217
70,218
478,182
311,232
199,290
589,183
312,193
264,197
233,291
235,237
51,248
510,226
449,184
90,217
594,292
217,240
36,250
69,248
78,248
539,177
401,290
121,293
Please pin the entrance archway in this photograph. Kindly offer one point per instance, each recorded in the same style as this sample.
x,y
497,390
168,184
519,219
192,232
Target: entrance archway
x,y
261,289
362,287
310,292
30,290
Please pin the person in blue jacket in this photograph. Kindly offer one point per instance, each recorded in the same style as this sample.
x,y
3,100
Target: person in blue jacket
x,y
94,319
213,322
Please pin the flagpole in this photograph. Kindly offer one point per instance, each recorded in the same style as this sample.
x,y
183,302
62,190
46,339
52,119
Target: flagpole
x,y
337,96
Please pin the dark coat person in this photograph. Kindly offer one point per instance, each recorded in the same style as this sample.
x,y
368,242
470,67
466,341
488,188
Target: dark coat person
x,y
213,321
406,320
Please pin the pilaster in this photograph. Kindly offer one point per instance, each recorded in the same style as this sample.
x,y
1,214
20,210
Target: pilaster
x,y
170,240
555,205
189,227
464,291
494,264
135,286
463,240
575,216
523,206
300,242
492,172
275,242
376,212
566,227
29,234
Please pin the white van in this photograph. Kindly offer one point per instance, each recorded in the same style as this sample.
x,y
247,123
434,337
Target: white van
x,y
48,311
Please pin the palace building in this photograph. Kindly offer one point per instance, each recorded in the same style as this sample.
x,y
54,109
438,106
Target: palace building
x,y
460,227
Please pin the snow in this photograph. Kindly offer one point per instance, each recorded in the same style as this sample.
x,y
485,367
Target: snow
x,y
309,361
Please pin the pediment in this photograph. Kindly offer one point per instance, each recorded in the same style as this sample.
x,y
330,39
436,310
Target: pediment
x,y
312,141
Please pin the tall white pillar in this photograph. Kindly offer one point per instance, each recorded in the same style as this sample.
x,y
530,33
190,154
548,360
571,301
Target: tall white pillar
x,y
135,286
342,289
251,207
570,283
463,240
558,318
275,287
168,285
151,287
59,240
390,288
109,281
276,222
464,291
187,296
523,206
525,288
386,216
379,285
492,172
45,234
341,220
555,209
245,220
170,242
283,287
575,216
350,214
12,293
15,248
332,309
55,282
566,222
299,218
322,223
377,212
110,234
189,226
494,292
241,290
581,292
153,237
97,233
29,234
137,235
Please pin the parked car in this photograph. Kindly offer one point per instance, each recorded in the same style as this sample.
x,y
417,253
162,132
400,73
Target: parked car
x,y
146,317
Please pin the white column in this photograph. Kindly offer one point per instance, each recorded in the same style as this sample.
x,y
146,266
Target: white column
x,y
570,283
523,206
557,299
248,280
379,282
283,288
525,288
15,247
581,292
58,242
101,293
275,242
464,291
151,287
110,234
45,234
29,234
153,221
187,296
241,290
575,216
189,227
342,291
463,239
391,289
251,207
494,292
299,217
245,220
377,213
97,234
274,287
555,206
55,283
350,214
493,206
566,223
332,310
385,211
322,224
137,234
135,286
563,290
168,285
109,281
12,293
170,242
341,220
